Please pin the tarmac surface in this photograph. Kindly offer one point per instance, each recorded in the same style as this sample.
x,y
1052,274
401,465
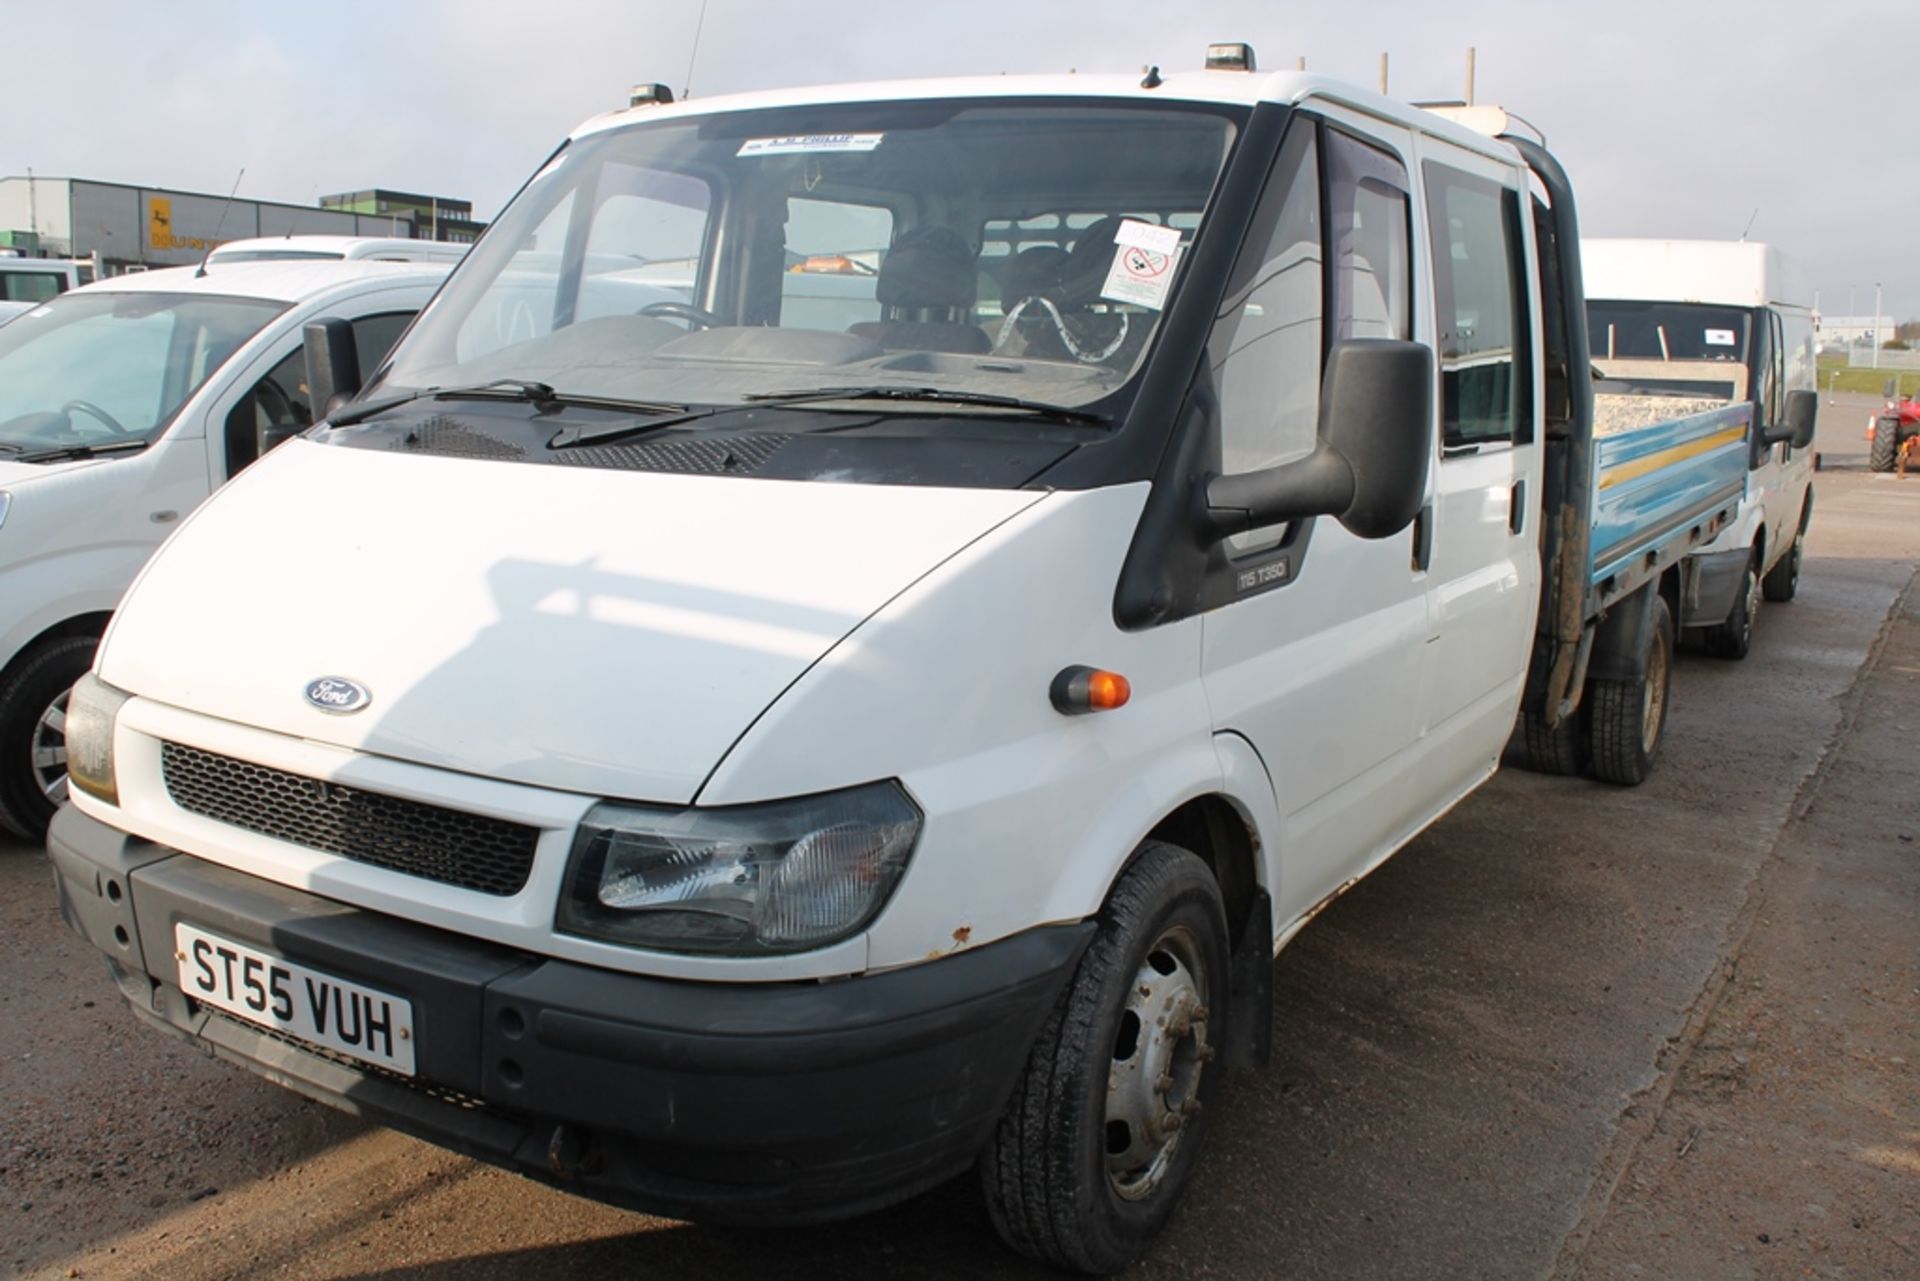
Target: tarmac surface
x,y
1572,1031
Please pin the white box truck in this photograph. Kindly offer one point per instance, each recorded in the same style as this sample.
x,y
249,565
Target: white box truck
x,y
1708,322
755,771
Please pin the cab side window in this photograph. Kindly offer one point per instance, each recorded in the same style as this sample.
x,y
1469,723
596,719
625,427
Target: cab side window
x,y
1372,293
1485,330
1266,344
278,402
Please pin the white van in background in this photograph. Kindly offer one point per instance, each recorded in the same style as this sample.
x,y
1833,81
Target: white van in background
x,y
34,280
338,248
1717,322
123,404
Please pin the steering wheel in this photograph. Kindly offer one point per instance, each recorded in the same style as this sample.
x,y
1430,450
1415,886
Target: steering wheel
x,y
94,411
696,317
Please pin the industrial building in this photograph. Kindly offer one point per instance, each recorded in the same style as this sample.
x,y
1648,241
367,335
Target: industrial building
x,y
122,227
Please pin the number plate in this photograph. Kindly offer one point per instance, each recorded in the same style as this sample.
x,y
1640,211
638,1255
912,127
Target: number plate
x,y
357,1021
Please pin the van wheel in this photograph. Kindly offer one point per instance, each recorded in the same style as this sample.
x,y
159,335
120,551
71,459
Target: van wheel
x,y
1560,750
33,740
1105,1124
1629,717
1733,638
1783,580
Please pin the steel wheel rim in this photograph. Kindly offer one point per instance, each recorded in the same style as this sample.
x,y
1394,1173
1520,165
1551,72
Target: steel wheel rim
x,y
48,750
1753,605
1653,699
1159,1055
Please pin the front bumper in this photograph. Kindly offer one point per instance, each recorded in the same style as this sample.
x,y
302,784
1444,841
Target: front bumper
x,y
765,1103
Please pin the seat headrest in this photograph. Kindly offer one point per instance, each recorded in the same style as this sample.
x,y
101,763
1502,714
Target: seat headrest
x,y
928,267
1032,273
1087,266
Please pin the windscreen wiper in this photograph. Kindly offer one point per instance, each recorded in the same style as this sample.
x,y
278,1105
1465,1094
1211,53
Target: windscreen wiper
x,y
62,453
936,395
539,395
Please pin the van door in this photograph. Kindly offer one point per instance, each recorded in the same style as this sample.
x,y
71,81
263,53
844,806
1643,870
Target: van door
x,y
1319,657
1485,566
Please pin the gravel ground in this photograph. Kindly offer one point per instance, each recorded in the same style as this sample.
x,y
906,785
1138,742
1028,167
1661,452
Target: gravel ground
x,y
1572,1031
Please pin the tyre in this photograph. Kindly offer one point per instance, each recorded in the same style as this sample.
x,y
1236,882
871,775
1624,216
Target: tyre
x,y
1886,443
1628,717
1560,750
1783,580
1733,638
33,743
1105,1124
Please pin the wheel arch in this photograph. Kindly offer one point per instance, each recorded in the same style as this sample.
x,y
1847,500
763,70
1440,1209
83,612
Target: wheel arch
x,y
93,624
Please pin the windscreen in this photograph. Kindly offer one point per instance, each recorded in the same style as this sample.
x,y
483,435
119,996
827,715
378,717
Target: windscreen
x,y
1024,249
1670,331
106,368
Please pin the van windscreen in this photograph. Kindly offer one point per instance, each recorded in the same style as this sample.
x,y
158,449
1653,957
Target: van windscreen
x,y
1015,248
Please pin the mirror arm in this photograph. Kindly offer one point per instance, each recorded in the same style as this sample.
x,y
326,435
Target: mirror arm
x,y
1321,484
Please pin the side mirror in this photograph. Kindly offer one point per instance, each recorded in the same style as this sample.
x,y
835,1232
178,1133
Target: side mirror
x,y
1370,467
1802,408
333,365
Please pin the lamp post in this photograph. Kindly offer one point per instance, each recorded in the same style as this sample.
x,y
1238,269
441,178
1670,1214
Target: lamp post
x,y
1876,324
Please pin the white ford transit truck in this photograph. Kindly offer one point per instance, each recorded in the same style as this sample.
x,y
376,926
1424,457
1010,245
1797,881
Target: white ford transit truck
x,y
1708,323
754,769
123,404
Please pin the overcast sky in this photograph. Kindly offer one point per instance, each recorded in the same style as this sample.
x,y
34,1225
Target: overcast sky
x,y
1675,117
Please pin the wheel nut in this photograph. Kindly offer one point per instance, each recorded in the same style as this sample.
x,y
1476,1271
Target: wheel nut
x,y
1174,1122
1205,1053
1200,1013
1190,1107
1164,1084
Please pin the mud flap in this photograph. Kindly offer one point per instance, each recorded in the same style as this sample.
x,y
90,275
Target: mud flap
x,y
1620,648
1249,1042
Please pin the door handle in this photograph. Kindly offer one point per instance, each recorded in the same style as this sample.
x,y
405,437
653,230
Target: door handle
x,y
1517,507
1423,539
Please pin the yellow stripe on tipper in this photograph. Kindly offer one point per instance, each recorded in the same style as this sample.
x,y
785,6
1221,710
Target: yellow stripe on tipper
x,y
1654,462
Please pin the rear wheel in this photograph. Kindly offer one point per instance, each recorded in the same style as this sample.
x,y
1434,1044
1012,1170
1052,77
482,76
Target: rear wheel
x,y
1783,580
1559,750
1629,717
1886,443
1733,638
33,738
1103,1129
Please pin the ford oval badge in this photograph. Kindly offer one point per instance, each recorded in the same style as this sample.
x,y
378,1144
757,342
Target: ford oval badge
x,y
338,695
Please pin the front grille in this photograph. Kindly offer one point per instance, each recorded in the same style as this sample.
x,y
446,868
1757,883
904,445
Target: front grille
x,y
455,848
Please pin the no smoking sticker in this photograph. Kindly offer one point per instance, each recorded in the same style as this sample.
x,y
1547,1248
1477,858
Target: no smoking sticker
x,y
1140,275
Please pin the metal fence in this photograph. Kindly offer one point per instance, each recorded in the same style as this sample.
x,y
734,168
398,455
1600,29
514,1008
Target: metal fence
x,y
1858,358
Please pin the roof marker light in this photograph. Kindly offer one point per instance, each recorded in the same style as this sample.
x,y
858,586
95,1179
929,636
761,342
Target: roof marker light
x,y
1230,57
1079,689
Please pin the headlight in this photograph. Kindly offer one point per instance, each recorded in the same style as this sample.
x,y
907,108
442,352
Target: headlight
x,y
91,710
749,880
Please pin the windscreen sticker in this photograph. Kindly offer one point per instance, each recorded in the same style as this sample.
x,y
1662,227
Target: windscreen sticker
x,y
799,144
1720,338
1162,240
1140,276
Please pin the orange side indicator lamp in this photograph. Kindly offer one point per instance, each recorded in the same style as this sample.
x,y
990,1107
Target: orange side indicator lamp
x,y
1078,690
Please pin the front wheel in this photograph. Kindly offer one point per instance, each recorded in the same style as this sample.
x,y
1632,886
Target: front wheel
x,y
33,739
1783,580
1734,637
1104,1126
1628,718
